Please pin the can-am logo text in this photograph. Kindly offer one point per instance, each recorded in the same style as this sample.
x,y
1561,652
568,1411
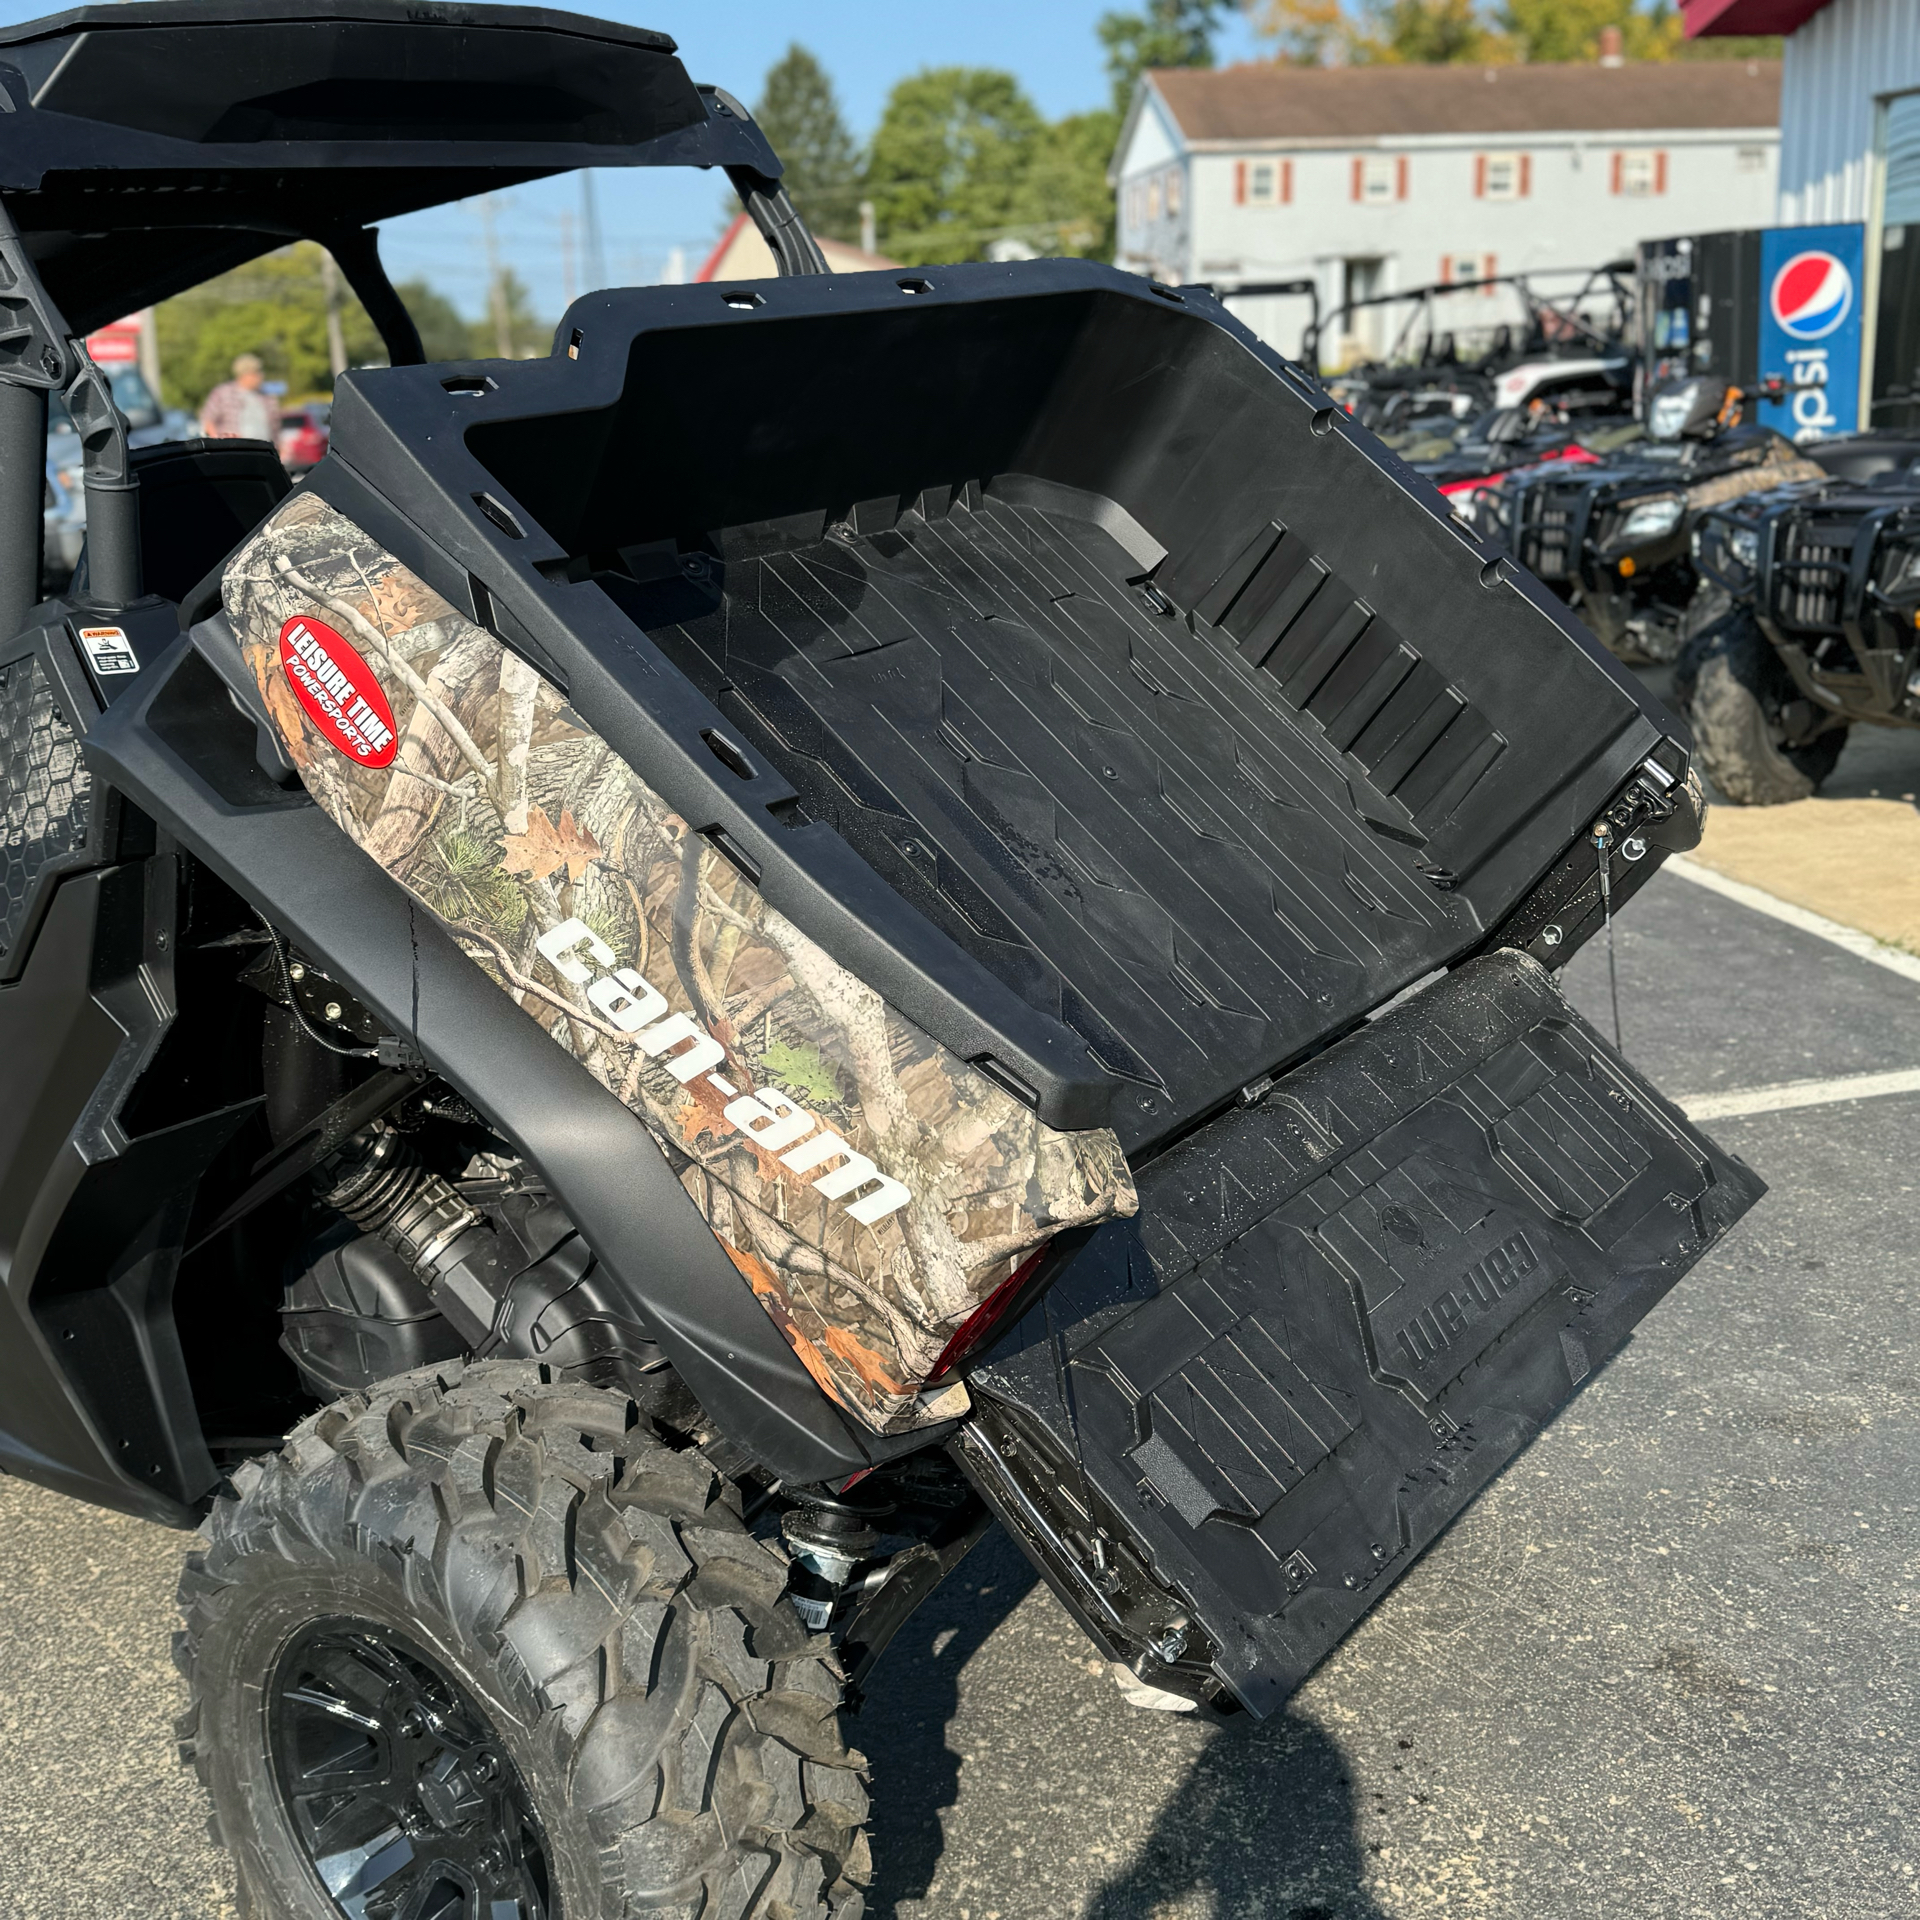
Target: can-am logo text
x,y
1812,295
768,1118
338,689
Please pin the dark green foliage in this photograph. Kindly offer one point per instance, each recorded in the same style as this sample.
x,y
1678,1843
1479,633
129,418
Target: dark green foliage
x,y
1169,33
444,334
1065,199
800,114
275,307
950,163
1430,32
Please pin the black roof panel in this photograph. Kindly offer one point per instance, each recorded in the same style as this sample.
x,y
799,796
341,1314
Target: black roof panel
x,y
149,146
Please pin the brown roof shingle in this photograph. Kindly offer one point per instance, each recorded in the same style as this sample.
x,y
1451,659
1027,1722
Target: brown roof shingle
x,y
1272,102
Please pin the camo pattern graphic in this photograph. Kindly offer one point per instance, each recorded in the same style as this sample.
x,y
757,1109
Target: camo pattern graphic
x,y
468,778
1782,467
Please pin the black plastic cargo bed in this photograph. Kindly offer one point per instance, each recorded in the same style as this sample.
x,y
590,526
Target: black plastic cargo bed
x,y
1339,1315
1094,690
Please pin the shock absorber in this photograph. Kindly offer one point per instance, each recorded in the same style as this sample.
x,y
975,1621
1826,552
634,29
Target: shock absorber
x,y
383,1186
828,1537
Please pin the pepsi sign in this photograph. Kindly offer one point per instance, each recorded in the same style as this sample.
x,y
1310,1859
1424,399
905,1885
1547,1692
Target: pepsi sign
x,y
1812,295
1810,331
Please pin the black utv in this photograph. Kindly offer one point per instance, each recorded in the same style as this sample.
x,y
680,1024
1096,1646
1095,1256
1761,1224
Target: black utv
x,y
848,909
1806,623
1615,538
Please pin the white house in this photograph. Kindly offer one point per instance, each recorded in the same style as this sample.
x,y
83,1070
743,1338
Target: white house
x,y
1371,179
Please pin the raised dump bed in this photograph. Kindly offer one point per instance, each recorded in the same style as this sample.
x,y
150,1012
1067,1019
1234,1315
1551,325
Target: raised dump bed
x,y
1181,724
1040,653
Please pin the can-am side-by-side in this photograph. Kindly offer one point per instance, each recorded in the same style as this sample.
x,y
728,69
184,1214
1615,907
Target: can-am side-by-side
x,y
851,908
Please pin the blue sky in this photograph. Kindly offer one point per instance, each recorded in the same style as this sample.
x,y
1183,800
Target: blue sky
x,y
866,45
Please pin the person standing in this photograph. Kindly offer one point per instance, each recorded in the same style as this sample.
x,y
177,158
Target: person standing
x,y
240,408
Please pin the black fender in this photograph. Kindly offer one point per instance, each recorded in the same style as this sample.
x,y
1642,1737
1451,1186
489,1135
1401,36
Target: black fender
x,y
95,1391
181,750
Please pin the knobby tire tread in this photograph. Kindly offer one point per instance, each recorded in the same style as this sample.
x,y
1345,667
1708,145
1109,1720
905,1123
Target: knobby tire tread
x,y
1730,686
633,1624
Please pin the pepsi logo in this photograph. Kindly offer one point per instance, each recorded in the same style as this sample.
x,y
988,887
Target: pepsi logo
x,y
1812,295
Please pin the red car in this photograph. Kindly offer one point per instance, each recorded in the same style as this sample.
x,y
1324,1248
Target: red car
x,y
303,436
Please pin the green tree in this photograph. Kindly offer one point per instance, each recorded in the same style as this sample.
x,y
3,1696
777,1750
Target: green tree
x,y
1420,32
1305,33
444,334
510,324
1570,29
1732,46
950,161
800,114
1316,32
1170,33
1064,204
275,307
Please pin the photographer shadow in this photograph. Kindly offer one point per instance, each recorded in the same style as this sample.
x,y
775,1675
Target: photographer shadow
x,y
1261,1828
1260,1825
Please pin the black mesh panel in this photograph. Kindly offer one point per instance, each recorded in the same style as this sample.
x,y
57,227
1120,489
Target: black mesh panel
x,y
45,790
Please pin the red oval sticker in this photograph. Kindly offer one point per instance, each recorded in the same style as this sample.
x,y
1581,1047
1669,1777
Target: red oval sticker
x,y
338,689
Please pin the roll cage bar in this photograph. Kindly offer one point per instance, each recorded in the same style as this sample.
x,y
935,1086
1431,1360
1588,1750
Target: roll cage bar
x,y
1551,319
1308,290
146,147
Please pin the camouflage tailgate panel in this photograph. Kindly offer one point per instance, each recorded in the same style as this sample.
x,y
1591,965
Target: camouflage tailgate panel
x,y
872,1187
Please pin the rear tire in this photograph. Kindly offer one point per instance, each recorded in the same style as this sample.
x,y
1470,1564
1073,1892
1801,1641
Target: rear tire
x,y
1732,688
551,1582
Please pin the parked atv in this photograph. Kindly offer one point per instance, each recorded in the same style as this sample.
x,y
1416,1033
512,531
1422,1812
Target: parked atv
x,y
1806,621
709,963
1614,538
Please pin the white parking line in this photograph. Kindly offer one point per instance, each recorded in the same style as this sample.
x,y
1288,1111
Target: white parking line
x,y
1863,946
1797,1093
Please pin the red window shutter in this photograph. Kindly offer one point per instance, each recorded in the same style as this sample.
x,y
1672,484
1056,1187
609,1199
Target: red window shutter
x,y
1489,267
1446,269
1660,171
1526,175
1617,165
1286,183
1359,178
1400,178
1479,176
1239,183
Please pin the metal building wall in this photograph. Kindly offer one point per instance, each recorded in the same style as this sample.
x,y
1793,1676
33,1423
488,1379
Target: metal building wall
x,y
1850,53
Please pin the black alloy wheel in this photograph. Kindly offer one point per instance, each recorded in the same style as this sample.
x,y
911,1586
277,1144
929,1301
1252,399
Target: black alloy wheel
x,y
479,1644
400,1792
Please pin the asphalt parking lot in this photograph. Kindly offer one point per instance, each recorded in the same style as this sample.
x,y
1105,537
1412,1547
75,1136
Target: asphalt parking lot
x,y
1665,1667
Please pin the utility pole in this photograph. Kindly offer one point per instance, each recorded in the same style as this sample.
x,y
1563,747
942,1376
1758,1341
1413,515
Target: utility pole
x,y
593,260
869,239
567,287
336,334
496,283
150,350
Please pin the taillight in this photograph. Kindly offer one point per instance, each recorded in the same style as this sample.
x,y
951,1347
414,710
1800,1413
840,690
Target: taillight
x,y
1012,1293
